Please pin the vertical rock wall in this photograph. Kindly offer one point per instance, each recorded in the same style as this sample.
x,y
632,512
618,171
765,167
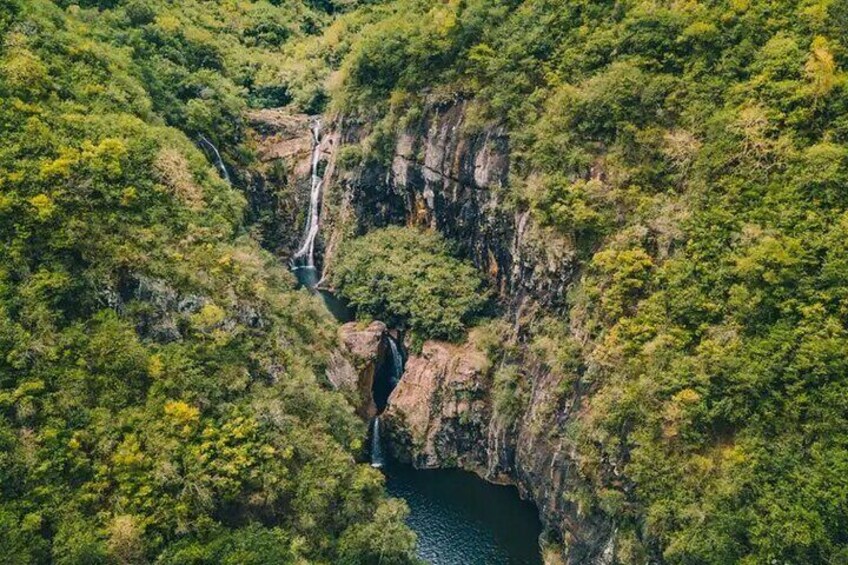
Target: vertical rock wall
x,y
448,178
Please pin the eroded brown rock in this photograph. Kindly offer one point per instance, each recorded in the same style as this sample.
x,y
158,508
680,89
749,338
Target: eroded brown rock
x,y
441,415
279,134
439,411
354,365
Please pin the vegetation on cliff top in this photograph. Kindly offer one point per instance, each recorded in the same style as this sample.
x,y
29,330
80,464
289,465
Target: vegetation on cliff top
x,y
158,398
408,278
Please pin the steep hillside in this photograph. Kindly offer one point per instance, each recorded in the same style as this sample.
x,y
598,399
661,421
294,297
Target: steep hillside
x,y
160,398
653,192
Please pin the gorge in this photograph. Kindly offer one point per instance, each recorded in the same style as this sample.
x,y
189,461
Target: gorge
x,y
538,280
440,414
458,518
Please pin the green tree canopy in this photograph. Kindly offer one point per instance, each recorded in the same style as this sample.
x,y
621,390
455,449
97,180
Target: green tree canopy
x,y
408,277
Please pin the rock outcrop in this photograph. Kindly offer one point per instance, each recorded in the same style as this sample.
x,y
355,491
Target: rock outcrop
x,y
354,365
439,411
441,415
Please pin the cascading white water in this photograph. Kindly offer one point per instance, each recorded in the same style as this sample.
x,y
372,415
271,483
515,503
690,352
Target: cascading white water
x,y
219,163
376,449
307,249
397,361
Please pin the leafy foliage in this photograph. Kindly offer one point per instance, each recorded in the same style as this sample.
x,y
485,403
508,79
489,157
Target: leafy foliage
x,y
695,153
158,391
408,277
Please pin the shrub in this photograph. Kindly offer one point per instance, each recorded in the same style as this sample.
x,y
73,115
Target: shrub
x,y
408,277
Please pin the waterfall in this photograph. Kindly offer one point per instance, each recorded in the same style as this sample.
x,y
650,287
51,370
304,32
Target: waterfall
x,y
219,163
376,448
397,361
307,249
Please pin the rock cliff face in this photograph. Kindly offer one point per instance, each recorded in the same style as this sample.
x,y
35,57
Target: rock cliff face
x,y
354,365
441,415
447,177
439,411
443,176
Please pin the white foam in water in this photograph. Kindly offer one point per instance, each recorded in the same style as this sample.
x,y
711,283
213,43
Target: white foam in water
x,y
397,359
376,449
307,249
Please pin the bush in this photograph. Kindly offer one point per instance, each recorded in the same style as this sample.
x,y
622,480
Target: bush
x,y
408,278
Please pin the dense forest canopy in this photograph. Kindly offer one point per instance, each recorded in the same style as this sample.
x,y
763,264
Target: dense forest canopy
x,y
411,280
158,397
158,390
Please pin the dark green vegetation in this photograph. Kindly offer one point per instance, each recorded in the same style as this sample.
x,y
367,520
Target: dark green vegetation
x,y
158,398
694,154
408,278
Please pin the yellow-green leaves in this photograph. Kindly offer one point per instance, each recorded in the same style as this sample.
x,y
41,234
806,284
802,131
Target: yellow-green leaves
x,y
623,275
24,72
209,316
182,415
43,206
821,70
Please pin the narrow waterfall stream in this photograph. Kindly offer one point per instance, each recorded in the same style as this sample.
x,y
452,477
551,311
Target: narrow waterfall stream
x,y
459,518
303,261
307,248
377,459
219,162
397,361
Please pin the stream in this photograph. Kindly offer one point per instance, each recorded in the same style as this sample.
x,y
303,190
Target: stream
x,y
459,518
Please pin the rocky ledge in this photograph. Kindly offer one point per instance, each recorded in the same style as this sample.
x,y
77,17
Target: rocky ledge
x,y
439,410
353,366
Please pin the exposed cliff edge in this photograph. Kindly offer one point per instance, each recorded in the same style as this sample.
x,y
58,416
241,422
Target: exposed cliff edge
x,y
353,366
438,413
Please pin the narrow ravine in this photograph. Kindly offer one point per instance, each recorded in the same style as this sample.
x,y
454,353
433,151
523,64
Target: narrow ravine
x,y
459,518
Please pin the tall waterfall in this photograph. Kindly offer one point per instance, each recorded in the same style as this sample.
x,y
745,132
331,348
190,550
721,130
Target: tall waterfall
x,y
307,249
376,449
219,163
397,361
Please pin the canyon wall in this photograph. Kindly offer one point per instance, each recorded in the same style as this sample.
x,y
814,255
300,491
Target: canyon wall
x,y
443,176
446,176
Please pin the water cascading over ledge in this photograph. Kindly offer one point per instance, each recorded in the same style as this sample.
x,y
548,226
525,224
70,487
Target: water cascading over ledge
x,y
387,377
305,255
215,155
